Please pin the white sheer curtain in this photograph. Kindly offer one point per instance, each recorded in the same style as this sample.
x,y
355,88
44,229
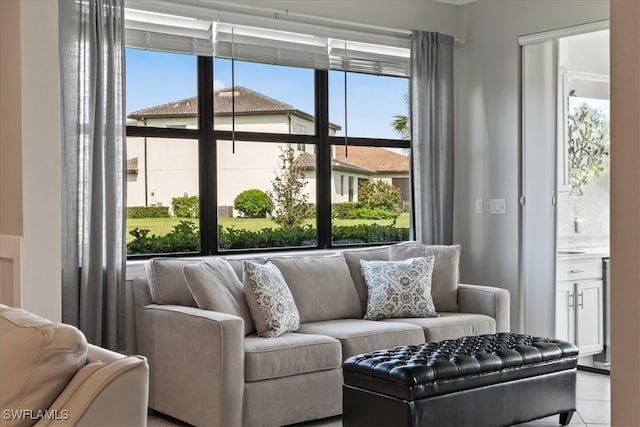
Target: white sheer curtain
x,y
93,175
432,136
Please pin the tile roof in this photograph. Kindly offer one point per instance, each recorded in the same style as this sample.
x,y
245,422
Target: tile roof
x,y
247,101
373,158
361,159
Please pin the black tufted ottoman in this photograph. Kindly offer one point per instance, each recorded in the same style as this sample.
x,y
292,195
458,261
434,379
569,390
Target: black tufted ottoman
x,y
494,380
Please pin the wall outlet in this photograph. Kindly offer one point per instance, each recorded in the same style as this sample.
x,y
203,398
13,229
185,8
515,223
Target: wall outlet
x,y
479,206
497,206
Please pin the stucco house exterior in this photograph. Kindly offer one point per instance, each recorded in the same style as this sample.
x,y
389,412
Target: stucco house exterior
x,y
159,169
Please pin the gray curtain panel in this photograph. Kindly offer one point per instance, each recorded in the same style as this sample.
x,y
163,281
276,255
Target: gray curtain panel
x,y
432,136
93,174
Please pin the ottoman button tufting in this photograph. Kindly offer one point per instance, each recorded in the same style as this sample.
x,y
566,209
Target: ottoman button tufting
x,y
497,379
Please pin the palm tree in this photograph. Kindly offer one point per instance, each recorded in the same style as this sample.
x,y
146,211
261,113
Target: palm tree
x,y
400,125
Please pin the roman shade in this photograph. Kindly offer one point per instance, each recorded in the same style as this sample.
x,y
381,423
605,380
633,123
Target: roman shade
x,y
265,36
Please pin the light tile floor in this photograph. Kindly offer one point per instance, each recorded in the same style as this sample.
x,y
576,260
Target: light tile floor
x,y
593,402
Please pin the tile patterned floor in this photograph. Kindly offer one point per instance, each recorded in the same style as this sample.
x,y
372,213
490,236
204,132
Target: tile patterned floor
x,y
593,402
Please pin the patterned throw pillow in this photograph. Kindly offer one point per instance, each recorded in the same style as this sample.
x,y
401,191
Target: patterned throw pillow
x,y
399,288
272,306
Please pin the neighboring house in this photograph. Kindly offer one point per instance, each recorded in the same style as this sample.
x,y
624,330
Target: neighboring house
x,y
159,169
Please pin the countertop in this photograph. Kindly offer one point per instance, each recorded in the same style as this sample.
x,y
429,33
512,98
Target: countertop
x,y
577,247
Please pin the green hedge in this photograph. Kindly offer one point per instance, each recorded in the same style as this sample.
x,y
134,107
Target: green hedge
x,y
185,237
186,206
148,212
353,210
231,238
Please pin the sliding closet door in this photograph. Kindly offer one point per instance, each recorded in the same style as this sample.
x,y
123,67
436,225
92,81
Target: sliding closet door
x,y
538,216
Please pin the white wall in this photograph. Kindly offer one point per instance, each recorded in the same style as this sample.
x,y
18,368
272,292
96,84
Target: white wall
x,y
173,163
487,128
41,158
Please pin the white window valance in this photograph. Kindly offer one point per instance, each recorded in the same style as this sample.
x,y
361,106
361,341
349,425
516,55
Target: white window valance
x,y
258,35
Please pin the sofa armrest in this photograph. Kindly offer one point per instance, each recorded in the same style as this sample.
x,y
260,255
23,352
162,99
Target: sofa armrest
x,y
196,361
487,300
110,390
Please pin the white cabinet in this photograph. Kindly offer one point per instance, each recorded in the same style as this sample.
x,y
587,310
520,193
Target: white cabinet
x,y
565,311
579,305
589,317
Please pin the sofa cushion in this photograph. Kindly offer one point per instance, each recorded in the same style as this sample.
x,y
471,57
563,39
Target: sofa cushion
x,y
399,288
272,306
289,354
361,336
322,287
451,325
38,359
167,283
444,283
353,257
238,264
216,287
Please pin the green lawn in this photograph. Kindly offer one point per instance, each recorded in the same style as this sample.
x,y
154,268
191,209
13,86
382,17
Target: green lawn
x,y
161,226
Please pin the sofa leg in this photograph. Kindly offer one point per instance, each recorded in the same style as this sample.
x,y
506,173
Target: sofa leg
x,y
565,418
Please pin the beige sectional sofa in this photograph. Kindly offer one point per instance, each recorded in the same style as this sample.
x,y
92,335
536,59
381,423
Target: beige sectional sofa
x,y
209,368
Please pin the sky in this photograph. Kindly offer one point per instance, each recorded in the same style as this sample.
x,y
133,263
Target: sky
x,y
154,78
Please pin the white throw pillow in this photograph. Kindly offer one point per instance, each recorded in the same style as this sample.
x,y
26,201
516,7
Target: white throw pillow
x,y
271,303
399,288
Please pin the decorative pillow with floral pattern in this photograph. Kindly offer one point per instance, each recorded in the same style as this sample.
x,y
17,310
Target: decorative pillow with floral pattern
x,y
399,289
270,301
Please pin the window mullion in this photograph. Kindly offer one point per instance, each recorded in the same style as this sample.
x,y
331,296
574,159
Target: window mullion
x,y
323,159
207,159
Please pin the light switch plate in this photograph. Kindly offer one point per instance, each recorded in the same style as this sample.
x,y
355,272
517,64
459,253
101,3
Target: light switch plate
x,y
497,206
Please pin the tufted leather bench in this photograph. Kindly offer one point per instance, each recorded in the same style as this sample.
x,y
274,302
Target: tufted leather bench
x,y
498,379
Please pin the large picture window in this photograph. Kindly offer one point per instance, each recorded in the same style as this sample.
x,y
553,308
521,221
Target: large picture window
x,y
226,154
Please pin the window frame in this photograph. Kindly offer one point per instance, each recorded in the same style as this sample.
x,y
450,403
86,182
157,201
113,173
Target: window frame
x,y
207,138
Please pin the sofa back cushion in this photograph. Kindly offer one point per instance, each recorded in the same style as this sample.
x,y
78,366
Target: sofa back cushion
x,y
238,265
321,286
216,287
353,257
167,283
38,358
444,281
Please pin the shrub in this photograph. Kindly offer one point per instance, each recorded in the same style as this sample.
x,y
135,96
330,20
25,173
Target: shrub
x,y
186,206
373,213
231,238
253,203
344,210
360,211
148,212
379,194
183,238
368,233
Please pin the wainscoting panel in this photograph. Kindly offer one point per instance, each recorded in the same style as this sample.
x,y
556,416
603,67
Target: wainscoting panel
x,y
11,270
